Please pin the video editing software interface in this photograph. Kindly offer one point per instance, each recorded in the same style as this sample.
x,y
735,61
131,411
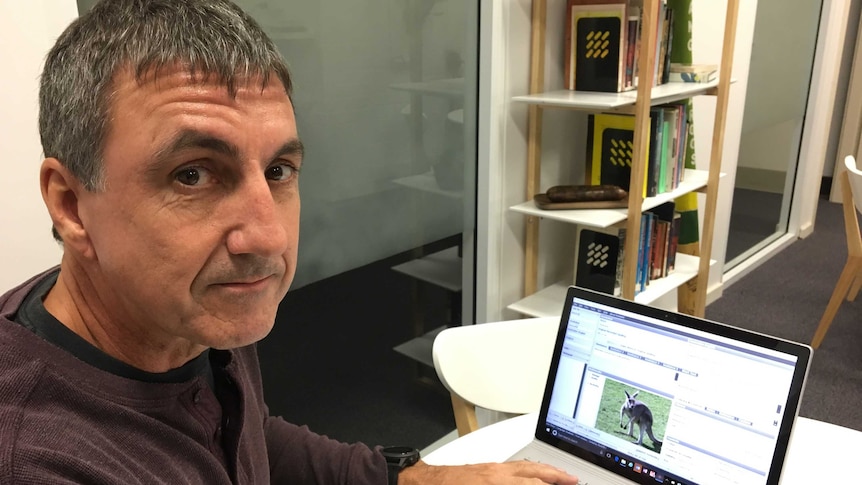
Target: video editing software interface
x,y
664,402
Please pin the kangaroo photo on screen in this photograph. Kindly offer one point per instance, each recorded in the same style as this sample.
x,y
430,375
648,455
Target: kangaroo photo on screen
x,y
637,413
633,414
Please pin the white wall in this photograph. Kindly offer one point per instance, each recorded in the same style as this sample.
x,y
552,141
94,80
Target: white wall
x,y
848,51
27,31
707,33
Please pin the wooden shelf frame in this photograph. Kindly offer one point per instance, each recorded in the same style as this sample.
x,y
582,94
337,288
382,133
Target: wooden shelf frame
x,y
691,294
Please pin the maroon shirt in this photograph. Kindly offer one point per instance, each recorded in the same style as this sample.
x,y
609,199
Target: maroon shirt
x,y
66,421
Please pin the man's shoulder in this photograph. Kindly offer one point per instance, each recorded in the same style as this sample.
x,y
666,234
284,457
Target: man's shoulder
x,y
36,388
54,426
20,376
19,370
24,378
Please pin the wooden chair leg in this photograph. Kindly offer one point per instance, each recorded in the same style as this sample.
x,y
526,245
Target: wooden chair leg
x,y
857,285
848,276
465,415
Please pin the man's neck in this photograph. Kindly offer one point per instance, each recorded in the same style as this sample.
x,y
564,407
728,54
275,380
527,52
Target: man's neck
x,y
76,302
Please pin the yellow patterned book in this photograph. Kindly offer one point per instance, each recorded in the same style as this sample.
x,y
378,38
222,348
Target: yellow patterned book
x,y
611,149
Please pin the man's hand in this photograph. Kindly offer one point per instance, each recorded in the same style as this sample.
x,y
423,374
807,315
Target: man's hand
x,y
512,473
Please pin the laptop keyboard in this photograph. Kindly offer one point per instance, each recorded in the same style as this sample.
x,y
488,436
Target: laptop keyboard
x,y
584,474
582,480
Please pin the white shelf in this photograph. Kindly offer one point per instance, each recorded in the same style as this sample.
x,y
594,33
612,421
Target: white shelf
x,y
692,181
442,268
426,182
449,88
419,348
589,100
548,302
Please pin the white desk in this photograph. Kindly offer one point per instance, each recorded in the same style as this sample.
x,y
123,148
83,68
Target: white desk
x,y
819,452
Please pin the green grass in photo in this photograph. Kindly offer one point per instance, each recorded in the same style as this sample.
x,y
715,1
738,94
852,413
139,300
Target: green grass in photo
x,y
613,396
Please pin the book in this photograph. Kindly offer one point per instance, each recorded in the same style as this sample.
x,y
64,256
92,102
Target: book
x,y
684,130
677,148
665,155
673,242
671,119
599,256
659,25
632,32
664,40
652,268
641,248
662,233
644,250
680,128
654,152
568,54
693,73
668,39
664,215
611,148
597,40
664,211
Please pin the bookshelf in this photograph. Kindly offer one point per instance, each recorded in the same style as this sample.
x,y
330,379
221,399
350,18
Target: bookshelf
x,y
690,279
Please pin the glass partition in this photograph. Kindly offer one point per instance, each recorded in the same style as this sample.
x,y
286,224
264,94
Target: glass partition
x,y
385,102
782,60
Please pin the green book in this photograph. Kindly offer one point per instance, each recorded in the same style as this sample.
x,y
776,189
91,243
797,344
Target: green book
x,y
663,160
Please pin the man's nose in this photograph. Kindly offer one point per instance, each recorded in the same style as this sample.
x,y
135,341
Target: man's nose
x,y
260,220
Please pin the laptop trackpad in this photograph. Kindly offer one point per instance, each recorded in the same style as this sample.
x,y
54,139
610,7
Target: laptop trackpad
x,y
587,473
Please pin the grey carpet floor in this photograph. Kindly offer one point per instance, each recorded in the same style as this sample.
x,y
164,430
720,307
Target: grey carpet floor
x,y
786,297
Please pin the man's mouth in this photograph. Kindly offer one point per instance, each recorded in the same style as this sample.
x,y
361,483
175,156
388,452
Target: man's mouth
x,y
248,284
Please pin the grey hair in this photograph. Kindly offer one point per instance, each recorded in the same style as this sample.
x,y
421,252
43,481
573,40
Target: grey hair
x,y
213,39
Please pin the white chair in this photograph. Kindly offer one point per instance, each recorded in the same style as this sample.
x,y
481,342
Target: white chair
x,y
850,280
499,366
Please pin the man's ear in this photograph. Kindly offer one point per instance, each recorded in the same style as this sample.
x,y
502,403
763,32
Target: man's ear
x,y
60,191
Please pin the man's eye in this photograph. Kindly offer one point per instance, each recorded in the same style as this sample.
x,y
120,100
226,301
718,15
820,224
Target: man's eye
x,y
192,176
188,176
279,172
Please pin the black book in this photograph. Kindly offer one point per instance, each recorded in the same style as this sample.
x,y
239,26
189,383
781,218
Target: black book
x,y
599,259
598,52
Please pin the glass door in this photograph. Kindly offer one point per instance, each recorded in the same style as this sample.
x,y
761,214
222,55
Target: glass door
x,y
782,58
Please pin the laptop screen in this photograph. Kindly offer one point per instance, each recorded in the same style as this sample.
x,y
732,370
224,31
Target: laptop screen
x,y
660,397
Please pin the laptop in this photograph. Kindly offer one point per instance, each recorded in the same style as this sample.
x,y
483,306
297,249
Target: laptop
x,y
637,394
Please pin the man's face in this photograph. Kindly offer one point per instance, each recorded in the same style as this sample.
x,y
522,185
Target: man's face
x,y
195,235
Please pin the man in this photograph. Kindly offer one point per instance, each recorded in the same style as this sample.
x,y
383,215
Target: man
x,y
171,177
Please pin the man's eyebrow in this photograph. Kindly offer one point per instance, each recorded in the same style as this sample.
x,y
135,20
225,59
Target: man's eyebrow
x,y
187,139
292,147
